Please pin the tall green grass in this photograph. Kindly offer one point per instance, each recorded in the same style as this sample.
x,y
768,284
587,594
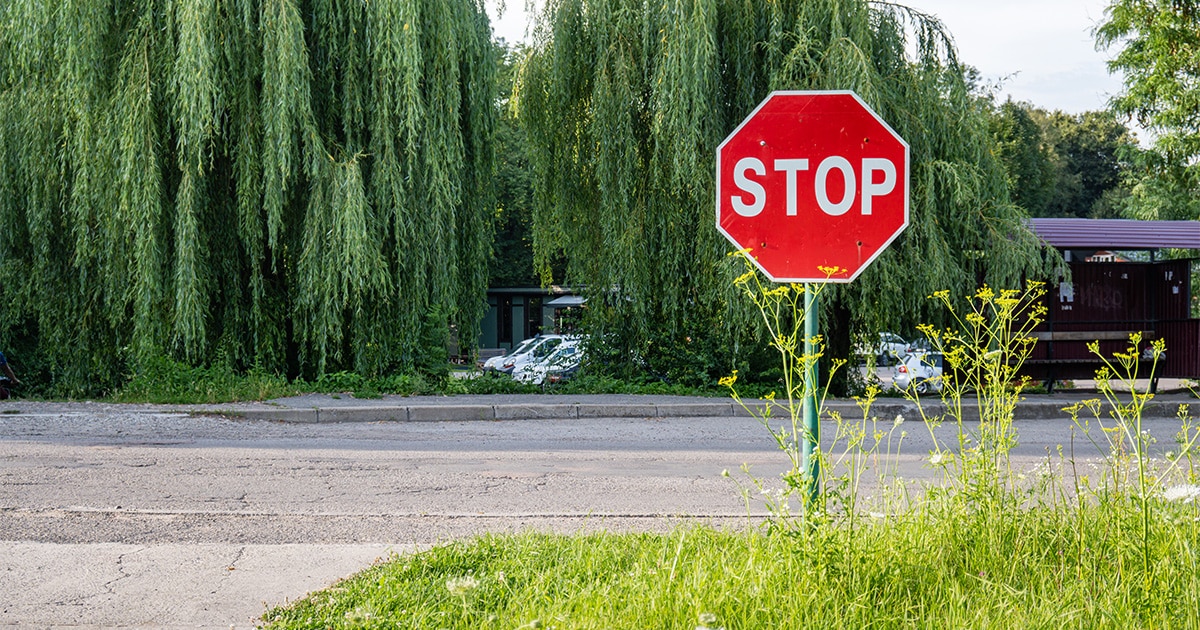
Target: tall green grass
x,y
949,569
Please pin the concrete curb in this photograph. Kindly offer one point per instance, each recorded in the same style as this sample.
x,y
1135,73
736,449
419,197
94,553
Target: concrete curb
x,y
460,413
329,410
522,410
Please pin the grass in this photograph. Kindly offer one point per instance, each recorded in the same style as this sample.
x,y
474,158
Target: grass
x,y
170,382
951,568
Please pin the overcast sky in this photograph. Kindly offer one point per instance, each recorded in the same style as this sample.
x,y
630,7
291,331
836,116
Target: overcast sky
x,y
1042,49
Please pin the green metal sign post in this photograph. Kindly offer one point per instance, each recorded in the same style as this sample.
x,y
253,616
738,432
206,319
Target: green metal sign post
x,y
812,426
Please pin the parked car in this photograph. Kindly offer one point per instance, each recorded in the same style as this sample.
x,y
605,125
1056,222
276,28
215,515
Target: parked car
x,y
567,356
540,347
921,371
886,351
493,364
920,345
558,375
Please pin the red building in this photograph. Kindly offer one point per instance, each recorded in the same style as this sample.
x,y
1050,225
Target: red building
x,y
1106,301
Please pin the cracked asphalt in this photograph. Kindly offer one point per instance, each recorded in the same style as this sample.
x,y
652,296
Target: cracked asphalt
x,y
165,520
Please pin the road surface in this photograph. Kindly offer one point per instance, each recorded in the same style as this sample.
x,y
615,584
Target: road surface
x,y
167,520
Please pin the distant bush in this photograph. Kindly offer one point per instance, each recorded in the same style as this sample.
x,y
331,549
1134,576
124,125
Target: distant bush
x,y
166,381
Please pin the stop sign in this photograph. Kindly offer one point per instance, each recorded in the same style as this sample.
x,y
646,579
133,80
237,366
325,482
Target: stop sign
x,y
811,181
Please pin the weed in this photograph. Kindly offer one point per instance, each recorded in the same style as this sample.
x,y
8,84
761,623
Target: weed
x,y
1131,474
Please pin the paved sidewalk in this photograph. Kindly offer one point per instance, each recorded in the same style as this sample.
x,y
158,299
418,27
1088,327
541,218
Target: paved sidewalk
x,y
174,585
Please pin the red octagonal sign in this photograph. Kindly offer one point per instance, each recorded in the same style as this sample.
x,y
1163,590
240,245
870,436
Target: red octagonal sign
x,y
812,181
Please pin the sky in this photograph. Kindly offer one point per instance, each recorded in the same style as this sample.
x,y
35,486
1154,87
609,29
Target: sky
x,y
1042,51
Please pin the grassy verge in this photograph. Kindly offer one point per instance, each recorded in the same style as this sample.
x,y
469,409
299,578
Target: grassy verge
x,y
954,568
170,382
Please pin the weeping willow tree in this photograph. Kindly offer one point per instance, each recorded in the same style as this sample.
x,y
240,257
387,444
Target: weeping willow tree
x,y
626,101
298,184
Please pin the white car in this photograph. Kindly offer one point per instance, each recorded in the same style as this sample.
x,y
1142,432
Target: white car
x,y
567,355
887,350
493,364
921,371
532,349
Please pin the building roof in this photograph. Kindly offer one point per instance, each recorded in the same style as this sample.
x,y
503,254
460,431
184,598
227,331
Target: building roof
x,y
1117,234
567,300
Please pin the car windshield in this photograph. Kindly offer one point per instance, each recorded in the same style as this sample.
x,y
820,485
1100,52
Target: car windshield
x,y
523,346
545,348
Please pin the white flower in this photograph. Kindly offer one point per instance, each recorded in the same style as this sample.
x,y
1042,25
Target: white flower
x,y
898,421
1182,494
461,586
939,458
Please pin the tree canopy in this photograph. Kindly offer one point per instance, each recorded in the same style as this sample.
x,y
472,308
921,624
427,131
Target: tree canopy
x,y
625,103
512,247
1064,165
298,184
1158,46
1022,148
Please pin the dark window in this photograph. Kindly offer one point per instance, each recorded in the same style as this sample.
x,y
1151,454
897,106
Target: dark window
x,y
533,316
504,321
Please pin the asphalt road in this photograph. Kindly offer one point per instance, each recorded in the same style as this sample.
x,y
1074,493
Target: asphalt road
x,y
168,520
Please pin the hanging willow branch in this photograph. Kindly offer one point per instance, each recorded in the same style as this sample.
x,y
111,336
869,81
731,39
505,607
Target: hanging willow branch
x,y
243,181
625,103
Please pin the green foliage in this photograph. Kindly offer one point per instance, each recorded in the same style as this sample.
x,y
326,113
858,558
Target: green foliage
x,y
589,383
291,185
1022,149
1065,165
1159,55
512,249
494,384
1161,188
624,104
1092,152
1158,44
166,381
687,359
